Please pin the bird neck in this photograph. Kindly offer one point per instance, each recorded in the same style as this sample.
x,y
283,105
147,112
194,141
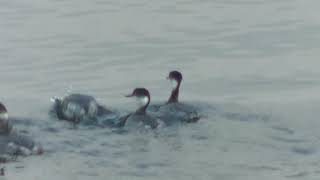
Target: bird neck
x,y
174,97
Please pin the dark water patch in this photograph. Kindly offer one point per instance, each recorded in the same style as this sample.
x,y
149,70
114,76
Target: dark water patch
x,y
117,144
283,129
142,166
298,175
246,117
107,132
145,166
142,149
258,167
137,174
75,144
267,168
199,137
94,153
52,130
108,163
105,144
303,150
89,174
149,165
120,131
22,121
287,140
50,151
265,145
23,132
160,164
120,154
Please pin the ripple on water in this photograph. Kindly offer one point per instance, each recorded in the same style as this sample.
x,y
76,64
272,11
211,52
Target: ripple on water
x,y
283,129
302,174
288,140
304,150
107,46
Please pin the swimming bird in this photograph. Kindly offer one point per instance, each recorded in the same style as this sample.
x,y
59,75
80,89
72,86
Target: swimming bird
x,y
78,107
140,118
173,110
175,77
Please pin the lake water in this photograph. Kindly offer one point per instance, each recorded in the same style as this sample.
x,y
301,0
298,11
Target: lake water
x,y
255,62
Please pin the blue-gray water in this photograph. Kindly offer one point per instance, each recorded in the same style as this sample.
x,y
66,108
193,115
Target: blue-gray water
x,y
256,62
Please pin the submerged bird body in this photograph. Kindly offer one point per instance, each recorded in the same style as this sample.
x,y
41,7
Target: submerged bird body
x,y
18,144
178,112
12,142
136,121
77,107
140,118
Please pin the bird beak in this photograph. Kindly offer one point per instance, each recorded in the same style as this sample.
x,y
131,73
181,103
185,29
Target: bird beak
x,y
168,78
129,95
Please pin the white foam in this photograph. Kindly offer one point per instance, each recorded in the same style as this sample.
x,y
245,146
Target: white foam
x,y
25,151
93,109
53,99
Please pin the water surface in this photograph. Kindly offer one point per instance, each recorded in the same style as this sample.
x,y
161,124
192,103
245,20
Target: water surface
x,y
255,61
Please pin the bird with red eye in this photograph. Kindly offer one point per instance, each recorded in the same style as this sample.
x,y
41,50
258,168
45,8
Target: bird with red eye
x,y
174,111
140,118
